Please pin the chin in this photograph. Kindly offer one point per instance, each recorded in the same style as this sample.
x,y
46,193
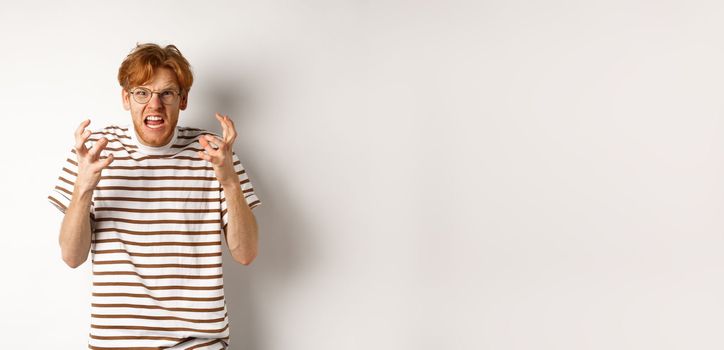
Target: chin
x,y
157,135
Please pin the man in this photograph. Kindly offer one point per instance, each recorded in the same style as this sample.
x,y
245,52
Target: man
x,y
149,201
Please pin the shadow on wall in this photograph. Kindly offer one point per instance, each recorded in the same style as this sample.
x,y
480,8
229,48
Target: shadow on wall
x,y
248,289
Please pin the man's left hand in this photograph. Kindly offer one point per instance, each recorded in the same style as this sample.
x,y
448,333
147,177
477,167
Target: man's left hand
x,y
219,152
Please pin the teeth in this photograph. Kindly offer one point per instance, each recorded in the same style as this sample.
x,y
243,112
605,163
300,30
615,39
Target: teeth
x,y
153,117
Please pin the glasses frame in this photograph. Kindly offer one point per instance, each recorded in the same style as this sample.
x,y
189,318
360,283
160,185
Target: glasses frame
x,y
175,98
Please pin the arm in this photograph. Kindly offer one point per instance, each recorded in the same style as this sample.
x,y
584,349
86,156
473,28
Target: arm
x,y
241,231
75,231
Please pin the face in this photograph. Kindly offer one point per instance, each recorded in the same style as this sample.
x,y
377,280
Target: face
x,y
156,133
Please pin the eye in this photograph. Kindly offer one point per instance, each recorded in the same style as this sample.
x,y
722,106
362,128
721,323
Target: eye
x,y
167,93
141,93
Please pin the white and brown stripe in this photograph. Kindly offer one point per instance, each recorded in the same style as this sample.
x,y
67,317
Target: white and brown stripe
x,y
157,216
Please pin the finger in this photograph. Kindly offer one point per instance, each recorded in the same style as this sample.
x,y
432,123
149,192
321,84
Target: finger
x,y
231,122
97,148
82,126
106,162
80,141
223,124
232,131
224,127
205,144
214,140
205,156
81,135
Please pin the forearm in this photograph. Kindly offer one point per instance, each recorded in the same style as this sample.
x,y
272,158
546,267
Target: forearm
x,y
75,231
241,230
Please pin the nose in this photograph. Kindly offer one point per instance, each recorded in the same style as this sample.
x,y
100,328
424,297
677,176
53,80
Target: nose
x,y
155,101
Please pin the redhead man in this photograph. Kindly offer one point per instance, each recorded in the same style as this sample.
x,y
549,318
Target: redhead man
x,y
149,200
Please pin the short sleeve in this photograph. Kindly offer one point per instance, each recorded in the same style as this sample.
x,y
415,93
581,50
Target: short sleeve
x,y
252,200
62,192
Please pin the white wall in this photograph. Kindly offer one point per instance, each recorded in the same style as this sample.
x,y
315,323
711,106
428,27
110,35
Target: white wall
x,y
434,174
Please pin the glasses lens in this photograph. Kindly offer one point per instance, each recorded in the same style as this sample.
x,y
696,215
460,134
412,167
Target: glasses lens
x,y
168,97
141,95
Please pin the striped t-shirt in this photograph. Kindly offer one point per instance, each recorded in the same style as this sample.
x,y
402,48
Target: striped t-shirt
x,y
157,217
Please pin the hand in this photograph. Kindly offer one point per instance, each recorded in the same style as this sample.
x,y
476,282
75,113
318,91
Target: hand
x,y
89,164
220,156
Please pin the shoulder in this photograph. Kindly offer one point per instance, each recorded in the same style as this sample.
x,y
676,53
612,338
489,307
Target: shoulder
x,y
111,132
188,134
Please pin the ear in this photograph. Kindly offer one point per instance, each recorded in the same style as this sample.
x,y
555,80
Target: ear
x,y
126,97
184,101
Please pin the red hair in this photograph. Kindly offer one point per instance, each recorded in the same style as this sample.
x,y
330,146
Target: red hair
x,y
140,65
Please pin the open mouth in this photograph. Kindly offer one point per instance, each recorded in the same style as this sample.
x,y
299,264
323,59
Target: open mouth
x,y
153,121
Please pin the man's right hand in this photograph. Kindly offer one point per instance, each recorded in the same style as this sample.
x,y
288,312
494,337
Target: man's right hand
x,y
89,162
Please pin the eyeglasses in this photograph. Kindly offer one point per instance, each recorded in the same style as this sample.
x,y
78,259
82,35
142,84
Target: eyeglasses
x,y
143,95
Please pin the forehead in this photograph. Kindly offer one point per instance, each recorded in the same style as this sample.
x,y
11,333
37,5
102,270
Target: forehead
x,y
162,78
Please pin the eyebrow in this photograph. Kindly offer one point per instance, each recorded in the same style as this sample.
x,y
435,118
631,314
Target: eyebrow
x,y
163,88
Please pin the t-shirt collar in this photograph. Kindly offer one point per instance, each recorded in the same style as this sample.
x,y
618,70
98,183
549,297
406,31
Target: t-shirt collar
x,y
150,150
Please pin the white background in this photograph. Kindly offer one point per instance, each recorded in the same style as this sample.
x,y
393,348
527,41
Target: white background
x,y
434,174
